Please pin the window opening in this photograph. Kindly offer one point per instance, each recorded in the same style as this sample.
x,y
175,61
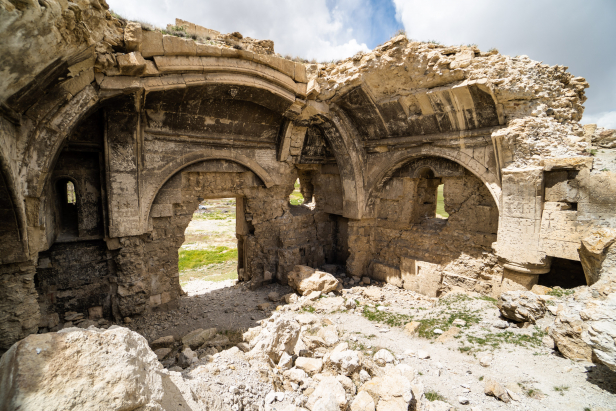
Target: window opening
x,y
70,193
210,250
68,215
296,197
440,203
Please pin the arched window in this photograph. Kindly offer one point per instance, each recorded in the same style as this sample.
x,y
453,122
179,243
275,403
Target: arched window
x,y
68,220
70,193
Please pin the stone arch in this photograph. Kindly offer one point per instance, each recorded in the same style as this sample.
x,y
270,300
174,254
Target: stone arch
x,y
388,164
193,158
349,157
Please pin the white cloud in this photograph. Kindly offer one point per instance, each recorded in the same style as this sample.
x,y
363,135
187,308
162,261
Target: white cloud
x,y
305,29
575,33
605,119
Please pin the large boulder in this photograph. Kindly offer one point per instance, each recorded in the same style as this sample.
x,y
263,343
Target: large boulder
x,y
521,306
77,369
598,256
306,280
198,337
391,391
600,318
276,337
328,393
569,334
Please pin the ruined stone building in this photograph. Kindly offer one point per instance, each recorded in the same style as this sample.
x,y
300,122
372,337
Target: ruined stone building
x,y
111,134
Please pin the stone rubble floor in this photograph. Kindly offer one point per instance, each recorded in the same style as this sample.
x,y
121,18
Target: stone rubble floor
x,y
530,369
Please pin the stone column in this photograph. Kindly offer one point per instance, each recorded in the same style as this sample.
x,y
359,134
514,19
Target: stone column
x,y
19,308
522,276
519,228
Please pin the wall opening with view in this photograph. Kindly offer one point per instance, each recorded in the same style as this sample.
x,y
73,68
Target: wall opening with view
x,y
210,249
440,203
296,197
67,208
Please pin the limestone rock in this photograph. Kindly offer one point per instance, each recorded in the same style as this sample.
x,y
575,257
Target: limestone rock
x,y
309,365
163,342
363,402
604,138
276,337
133,36
439,406
161,353
71,368
411,328
327,393
521,306
385,356
295,374
600,317
346,361
198,337
306,280
391,391
540,289
131,64
568,333
329,334
493,388
598,256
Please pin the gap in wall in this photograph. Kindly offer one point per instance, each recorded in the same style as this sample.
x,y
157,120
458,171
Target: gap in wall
x,y
564,274
440,203
209,252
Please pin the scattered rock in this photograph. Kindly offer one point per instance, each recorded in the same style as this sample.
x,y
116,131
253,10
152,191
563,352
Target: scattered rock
x,y
363,402
521,306
493,388
463,400
263,306
448,335
540,289
346,361
329,393
423,355
411,328
273,296
486,360
500,324
385,356
276,337
163,342
161,353
309,365
197,338
306,280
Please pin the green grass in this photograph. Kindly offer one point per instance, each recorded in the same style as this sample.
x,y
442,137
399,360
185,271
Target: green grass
x,y
494,340
559,292
296,197
440,203
561,389
434,396
391,319
192,259
214,215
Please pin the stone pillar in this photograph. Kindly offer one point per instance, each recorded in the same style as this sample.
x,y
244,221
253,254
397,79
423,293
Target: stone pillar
x,y
19,308
522,276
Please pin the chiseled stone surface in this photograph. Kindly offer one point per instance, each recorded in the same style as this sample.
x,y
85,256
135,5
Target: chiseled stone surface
x,y
86,369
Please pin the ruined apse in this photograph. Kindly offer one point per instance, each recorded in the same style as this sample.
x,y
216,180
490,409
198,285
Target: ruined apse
x,y
111,134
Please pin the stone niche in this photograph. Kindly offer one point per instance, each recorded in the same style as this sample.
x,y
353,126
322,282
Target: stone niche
x,y
412,247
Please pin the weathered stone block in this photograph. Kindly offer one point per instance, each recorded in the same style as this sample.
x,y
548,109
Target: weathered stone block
x,y
177,46
152,44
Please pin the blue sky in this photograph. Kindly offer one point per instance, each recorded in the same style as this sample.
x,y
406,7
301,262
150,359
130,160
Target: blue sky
x,y
580,34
